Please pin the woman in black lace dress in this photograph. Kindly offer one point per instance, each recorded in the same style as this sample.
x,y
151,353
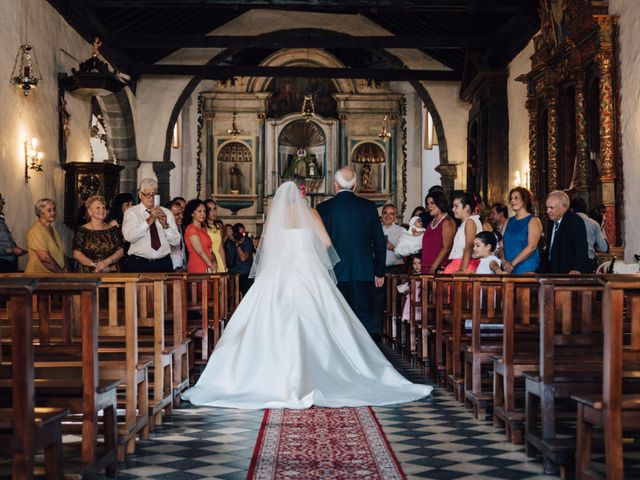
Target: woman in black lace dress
x,y
97,245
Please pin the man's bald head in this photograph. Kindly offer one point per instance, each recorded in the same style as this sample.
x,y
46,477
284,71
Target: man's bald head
x,y
345,178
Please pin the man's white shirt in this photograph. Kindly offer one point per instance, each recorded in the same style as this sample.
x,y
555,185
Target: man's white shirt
x,y
135,230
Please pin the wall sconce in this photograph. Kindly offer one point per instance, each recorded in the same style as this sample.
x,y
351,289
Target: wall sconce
x,y
32,158
521,179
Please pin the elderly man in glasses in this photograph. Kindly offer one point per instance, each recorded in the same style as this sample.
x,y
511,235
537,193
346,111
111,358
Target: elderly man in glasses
x,y
151,230
9,251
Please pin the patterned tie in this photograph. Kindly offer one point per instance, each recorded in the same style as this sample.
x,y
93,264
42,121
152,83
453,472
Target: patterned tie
x,y
155,238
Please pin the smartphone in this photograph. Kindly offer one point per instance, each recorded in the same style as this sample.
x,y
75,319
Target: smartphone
x,y
156,200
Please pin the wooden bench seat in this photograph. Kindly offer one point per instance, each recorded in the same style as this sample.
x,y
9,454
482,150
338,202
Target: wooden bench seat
x,y
570,363
615,408
24,428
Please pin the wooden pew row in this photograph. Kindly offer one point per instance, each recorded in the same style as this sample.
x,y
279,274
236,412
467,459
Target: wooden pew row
x,y
570,363
519,354
67,371
616,408
25,428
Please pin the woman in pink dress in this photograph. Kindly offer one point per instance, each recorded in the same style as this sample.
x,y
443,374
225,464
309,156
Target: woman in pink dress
x,y
197,239
438,236
460,260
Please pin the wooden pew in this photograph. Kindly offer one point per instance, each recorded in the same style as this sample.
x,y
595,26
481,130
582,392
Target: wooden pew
x,y
119,358
617,408
67,372
570,363
426,326
176,314
25,429
152,345
519,353
486,339
453,338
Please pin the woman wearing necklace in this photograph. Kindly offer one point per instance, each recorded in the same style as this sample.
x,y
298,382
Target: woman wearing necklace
x,y
97,245
46,250
438,237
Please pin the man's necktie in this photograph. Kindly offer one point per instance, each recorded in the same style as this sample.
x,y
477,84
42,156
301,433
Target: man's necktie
x,y
556,225
155,238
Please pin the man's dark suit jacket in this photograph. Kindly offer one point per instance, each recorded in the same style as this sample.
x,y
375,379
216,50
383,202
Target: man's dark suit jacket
x,y
570,246
354,226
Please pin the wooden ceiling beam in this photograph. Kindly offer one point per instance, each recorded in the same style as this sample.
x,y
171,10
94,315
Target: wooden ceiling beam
x,y
226,71
479,6
304,40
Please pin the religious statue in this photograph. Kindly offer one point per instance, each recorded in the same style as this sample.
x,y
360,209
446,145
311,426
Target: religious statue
x,y
365,179
312,167
236,179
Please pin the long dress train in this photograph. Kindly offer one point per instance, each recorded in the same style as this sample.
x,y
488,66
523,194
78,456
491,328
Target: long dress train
x,y
293,342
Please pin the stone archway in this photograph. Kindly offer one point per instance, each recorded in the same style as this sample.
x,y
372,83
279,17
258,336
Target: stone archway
x,y
116,110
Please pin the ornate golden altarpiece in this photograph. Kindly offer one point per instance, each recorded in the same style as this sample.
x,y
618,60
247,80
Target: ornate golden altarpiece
x,y
574,136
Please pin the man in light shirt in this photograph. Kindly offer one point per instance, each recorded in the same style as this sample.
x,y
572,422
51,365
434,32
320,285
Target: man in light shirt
x,y
393,263
178,254
151,230
595,235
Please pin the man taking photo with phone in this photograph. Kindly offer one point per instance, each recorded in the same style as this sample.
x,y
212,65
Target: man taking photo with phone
x,y
151,230
239,251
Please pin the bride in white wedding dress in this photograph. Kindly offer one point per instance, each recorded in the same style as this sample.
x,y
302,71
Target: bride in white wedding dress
x,y
293,341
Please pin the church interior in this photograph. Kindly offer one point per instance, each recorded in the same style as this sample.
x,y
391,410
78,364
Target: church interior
x,y
225,100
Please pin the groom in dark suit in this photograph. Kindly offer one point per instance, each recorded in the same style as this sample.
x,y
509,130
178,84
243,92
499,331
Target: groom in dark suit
x,y
354,226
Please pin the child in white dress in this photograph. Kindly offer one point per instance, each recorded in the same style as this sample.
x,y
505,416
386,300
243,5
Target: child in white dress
x,y
411,240
484,248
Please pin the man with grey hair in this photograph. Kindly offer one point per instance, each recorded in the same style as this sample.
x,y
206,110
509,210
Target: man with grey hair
x,y
354,227
151,230
566,239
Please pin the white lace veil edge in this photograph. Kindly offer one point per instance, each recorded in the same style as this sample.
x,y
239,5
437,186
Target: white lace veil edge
x,y
289,211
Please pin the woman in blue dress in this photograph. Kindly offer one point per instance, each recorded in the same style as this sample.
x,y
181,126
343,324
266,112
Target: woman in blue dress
x,y
521,235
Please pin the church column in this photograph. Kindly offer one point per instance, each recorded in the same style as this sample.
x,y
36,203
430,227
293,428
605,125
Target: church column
x,y
162,171
607,149
448,174
393,157
129,175
534,168
343,152
605,60
582,177
261,160
553,133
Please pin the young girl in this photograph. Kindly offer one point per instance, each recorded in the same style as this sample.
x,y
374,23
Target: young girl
x,y
414,269
484,248
411,240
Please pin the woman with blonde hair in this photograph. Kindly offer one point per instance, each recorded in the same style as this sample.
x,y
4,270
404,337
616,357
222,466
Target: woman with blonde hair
x,y
214,229
97,245
44,243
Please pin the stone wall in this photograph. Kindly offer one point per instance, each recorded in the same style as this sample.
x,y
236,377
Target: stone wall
x,y
37,114
518,116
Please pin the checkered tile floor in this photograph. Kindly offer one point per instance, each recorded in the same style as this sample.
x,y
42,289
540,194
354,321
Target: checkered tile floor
x,y
433,438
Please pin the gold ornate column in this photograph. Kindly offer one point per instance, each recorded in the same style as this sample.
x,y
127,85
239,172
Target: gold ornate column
x,y
605,61
534,169
582,175
553,132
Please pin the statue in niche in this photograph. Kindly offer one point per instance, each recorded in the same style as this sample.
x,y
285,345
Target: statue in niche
x,y
236,179
312,167
365,176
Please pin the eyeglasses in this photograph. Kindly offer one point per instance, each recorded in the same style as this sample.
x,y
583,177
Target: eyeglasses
x,y
148,195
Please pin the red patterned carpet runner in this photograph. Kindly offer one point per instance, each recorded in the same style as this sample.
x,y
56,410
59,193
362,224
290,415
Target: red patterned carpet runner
x,y
323,443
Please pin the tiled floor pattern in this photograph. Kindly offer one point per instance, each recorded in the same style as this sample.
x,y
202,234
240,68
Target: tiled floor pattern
x,y
433,438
